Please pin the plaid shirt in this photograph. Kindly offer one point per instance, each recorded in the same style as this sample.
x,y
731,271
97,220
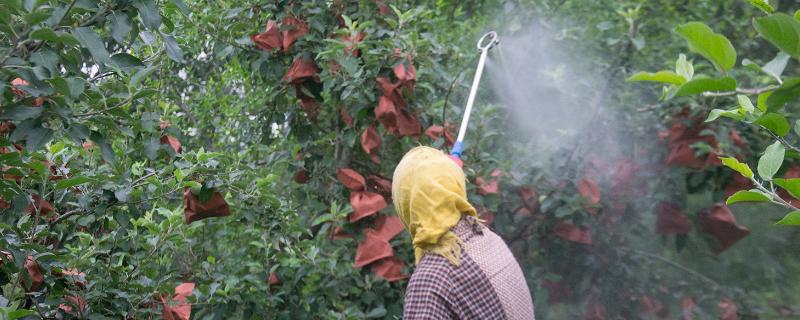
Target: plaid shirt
x,y
439,290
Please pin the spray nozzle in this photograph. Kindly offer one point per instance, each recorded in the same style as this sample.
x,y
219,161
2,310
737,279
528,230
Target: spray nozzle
x,y
488,41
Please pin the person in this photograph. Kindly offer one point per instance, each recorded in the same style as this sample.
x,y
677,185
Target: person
x,y
463,269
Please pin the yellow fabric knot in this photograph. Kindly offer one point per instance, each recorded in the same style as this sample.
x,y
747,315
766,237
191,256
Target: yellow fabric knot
x,y
429,193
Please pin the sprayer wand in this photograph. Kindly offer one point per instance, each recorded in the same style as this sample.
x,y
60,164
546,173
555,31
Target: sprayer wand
x,y
483,47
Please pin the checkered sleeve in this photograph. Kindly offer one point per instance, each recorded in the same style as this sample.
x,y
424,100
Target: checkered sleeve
x,y
487,285
428,291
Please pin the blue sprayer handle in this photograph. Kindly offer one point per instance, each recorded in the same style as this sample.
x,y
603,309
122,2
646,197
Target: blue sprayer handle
x,y
457,149
455,154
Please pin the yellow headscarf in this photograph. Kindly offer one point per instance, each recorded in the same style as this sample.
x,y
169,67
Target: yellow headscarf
x,y
429,193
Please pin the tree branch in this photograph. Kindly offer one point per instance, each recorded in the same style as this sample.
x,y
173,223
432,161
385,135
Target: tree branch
x,y
101,76
774,197
675,265
72,4
782,140
13,47
135,183
60,21
65,216
94,18
740,91
89,114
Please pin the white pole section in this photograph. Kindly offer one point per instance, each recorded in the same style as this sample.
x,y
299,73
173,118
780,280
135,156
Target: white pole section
x,y
472,92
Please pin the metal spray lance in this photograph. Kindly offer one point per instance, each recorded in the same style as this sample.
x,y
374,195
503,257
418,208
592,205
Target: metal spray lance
x,y
485,43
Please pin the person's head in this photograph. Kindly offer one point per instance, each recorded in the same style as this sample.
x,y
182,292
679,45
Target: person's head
x,y
429,194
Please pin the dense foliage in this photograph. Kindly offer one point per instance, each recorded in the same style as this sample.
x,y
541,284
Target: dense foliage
x,y
228,159
771,100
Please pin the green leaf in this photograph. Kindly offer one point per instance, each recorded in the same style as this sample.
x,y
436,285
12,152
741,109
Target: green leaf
x,y
747,196
34,134
78,133
28,5
684,67
45,34
791,185
151,147
148,37
144,93
71,182
148,12
14,5
76,86
194,185
169,26
378,312
173,50
181,6
36,87
60,86
776,66
37,138
661,76
789,91
763,5
179,175
762,101
700,85
741,168
126,62
19,112
770,162
205,194
122,193
797,127
90,40
106,151
46,59
712,46
638,42
745,103
774,122
5,19
69,87
322,219
86,220
347,21
791,219
716,113
149,121
140,75
782,30
120,26
19,314
39,167
34,18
